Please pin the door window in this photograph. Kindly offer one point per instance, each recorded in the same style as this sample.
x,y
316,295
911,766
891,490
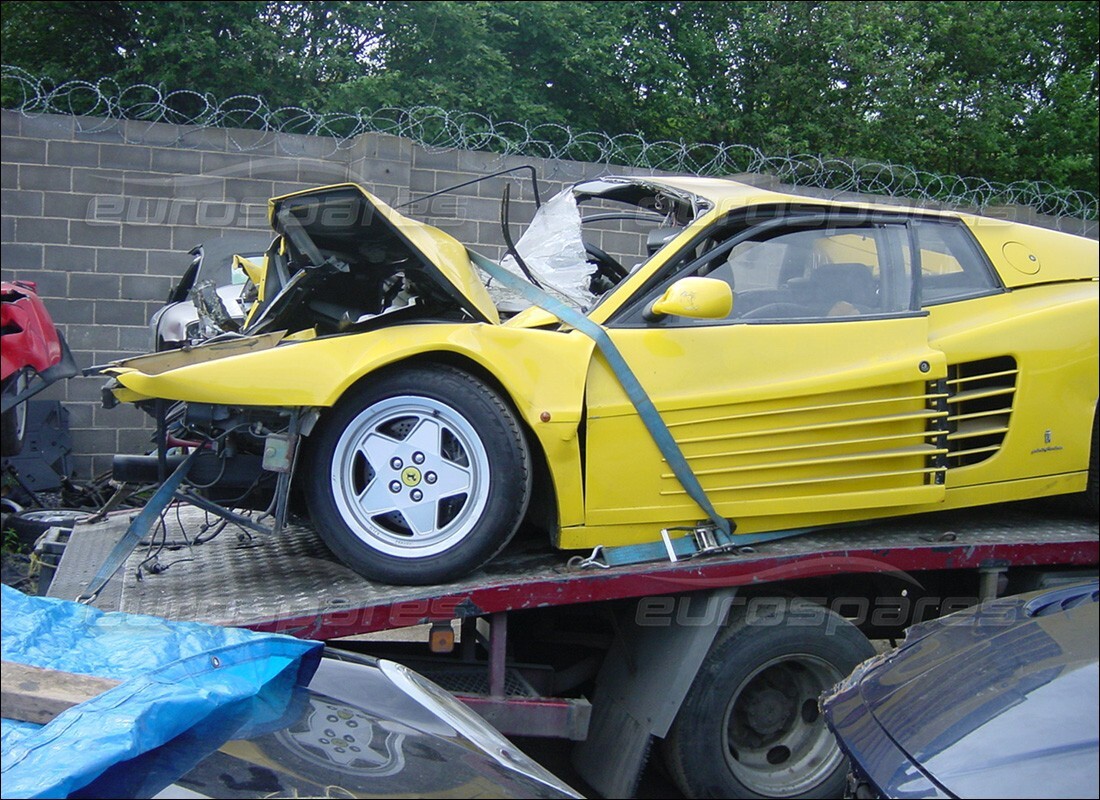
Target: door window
x,y
827,273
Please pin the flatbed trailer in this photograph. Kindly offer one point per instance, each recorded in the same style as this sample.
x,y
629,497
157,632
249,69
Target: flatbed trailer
x,y
617,658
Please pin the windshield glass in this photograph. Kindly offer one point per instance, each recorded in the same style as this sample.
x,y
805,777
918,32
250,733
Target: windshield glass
x,y
553,253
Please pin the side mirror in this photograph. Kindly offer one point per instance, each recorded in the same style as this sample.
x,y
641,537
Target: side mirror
x,y
697,298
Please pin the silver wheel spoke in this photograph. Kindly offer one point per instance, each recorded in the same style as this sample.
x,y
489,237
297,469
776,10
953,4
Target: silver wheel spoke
x,y
378,450
413,474
376,498
436,478
421,517
426,438
450,480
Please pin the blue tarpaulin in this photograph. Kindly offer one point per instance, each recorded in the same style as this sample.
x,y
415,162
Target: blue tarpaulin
x,y
175,677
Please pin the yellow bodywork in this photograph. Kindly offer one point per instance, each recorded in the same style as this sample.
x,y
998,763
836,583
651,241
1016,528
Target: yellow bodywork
x,y
785,426
318,372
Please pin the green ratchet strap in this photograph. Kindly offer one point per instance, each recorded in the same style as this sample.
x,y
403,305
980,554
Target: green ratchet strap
x,y
633,388
674,549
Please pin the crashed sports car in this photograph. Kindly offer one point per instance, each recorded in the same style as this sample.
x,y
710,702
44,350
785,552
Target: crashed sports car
x,y
727,356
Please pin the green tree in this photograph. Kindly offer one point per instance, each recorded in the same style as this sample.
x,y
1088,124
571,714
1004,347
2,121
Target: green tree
x,y
1002,90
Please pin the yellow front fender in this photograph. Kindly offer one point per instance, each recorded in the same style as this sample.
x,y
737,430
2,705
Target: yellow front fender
x,y
542,372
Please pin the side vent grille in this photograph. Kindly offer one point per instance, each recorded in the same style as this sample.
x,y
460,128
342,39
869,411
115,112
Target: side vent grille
x,y
979,405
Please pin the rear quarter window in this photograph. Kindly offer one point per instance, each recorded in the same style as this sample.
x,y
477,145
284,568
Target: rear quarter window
x,y
952,266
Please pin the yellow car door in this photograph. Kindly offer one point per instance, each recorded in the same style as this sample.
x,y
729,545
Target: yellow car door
x,y
816,399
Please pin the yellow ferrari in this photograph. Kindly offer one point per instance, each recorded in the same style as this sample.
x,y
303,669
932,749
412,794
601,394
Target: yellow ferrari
x,y
681,352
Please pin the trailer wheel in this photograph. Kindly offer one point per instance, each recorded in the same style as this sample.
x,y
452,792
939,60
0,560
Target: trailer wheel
x,y
419,476
750,725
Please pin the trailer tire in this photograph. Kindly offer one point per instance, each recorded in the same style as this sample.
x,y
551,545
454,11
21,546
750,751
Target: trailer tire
x,y
750,725
420,475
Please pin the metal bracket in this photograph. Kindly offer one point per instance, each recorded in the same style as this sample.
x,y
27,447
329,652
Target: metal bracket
x,y
707,540
593,560
122,491
669,549
700,540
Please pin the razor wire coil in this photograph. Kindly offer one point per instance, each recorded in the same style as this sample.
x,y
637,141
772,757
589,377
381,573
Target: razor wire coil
x,y
104,104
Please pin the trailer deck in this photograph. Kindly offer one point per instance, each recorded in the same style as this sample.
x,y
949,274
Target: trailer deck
x,y
292,584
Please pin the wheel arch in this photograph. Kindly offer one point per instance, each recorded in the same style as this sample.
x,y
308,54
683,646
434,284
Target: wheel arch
x,y
1089,501
543,510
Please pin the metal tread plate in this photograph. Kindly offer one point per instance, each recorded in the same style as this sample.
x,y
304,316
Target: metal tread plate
x,y
293,584
246,579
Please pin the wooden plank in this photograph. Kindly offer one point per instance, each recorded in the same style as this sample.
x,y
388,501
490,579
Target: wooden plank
x,y
34,694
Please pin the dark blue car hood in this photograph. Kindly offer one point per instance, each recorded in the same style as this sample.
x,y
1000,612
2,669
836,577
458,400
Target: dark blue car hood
x,y
999,702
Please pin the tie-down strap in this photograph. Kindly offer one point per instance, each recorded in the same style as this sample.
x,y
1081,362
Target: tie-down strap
x,y
626,377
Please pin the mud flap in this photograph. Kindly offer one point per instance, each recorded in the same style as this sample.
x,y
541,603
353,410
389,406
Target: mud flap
x,y
647,673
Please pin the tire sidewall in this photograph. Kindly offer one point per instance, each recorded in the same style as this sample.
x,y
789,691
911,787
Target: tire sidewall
x,y
13,422
741,649
11,431
509,476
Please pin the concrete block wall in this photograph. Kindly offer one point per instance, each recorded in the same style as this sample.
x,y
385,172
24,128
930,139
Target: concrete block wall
x,y
101,214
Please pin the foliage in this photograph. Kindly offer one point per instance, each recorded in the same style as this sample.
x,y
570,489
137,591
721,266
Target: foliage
x,y
1001,90
11,543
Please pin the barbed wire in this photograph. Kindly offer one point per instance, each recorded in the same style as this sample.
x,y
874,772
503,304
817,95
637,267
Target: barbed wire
x,y
103,104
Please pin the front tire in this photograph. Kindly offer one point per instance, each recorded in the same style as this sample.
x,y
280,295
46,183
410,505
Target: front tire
x,y
420,476
750,725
